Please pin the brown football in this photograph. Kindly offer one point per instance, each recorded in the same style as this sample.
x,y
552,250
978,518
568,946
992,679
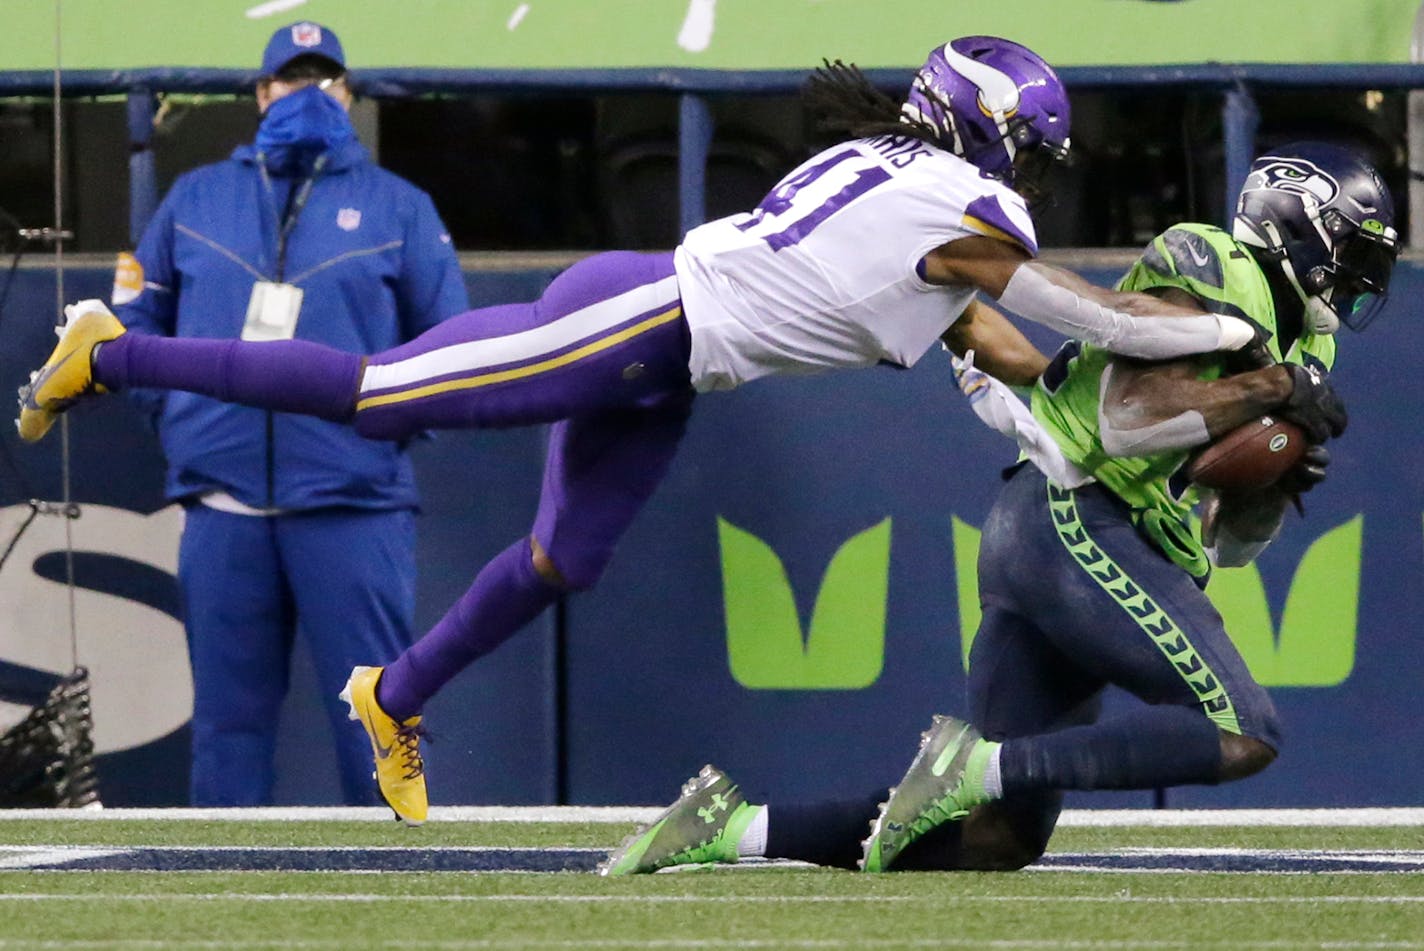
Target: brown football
x,y
1251,456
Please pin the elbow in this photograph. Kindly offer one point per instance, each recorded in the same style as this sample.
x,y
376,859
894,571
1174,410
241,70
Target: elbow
x,y
1128,431
1114,444
1116,430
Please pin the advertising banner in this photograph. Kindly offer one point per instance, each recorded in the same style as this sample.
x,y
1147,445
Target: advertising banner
x,y
711,34
794,605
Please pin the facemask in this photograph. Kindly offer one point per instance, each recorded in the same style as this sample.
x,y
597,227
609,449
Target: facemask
x,y
299,127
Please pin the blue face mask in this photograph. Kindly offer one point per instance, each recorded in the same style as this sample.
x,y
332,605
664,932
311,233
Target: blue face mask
x,y
301,126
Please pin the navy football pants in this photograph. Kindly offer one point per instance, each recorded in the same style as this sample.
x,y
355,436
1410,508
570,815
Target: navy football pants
x,y
1075,598
345,577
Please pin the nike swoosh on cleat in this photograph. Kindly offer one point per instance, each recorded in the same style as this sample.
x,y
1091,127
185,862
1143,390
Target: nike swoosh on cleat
x,y
1199,259
44,374
382,752
946,756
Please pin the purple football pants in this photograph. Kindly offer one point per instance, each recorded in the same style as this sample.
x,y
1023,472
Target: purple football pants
x,y
602,355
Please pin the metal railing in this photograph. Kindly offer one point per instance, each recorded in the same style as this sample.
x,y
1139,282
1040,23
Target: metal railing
x,y
1236,85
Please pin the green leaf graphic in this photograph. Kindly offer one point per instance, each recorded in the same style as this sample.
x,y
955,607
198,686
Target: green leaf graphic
x,y
846,646
966,573
1316,646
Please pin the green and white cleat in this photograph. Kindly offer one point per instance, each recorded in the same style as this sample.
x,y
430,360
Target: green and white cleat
x,y
701,827
944,782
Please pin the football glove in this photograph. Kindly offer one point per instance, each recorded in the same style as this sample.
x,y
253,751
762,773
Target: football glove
x,y
1313,404
1306,474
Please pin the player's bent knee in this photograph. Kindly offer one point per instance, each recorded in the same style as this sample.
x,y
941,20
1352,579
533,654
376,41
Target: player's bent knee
x,y
1005,837
572,572
1005,855
544,565
1243,756
576,575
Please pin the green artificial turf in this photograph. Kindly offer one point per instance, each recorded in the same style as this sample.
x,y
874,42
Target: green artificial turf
x,y
766,907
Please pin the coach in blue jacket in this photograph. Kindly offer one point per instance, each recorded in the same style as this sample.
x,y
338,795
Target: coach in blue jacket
x,y
292,523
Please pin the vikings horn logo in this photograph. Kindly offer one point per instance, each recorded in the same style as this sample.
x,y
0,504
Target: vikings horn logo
x,y
1293,175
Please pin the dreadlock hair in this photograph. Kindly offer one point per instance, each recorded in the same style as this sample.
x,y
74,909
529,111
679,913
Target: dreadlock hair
x,y
844,103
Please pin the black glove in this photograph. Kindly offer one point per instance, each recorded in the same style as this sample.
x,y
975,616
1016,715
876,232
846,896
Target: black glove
x,y
1256,355
1313,404
1306,474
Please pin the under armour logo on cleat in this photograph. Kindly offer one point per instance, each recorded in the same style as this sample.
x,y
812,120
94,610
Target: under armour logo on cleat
x,y
709,815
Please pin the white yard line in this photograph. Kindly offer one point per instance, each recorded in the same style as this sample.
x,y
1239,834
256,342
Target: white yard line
x,y
1191,944
1073,818
761,898
550,814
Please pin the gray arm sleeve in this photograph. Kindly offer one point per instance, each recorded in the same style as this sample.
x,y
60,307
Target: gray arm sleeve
x,y
1035,297
1183,431
1180,432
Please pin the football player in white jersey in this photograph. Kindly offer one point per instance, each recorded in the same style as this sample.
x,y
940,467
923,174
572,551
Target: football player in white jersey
x,y
868,253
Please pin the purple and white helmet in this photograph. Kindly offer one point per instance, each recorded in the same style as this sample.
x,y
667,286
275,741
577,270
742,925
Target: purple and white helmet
x,y
990,100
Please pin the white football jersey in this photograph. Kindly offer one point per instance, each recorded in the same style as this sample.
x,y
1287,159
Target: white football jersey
x,y
824,273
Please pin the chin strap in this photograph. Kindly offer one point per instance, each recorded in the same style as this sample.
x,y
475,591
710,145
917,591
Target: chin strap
x,y
1320,319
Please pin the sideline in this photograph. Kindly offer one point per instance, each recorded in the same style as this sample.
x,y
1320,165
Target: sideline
x,y
560,815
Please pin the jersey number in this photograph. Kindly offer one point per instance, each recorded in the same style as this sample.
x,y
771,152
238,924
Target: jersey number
x,y
794,209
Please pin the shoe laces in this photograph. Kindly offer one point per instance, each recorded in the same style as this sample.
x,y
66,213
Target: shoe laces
x,y
408,739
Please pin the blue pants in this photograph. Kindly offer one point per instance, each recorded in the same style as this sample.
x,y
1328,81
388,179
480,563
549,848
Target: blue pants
x,y
345,577
1074,599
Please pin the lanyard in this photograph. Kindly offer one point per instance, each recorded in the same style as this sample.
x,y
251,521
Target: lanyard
x,y
295,206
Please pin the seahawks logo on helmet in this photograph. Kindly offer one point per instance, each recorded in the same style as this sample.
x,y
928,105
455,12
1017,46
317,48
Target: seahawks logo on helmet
x,y
1293,175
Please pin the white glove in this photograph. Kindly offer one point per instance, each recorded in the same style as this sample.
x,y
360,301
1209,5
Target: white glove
x,y
995,404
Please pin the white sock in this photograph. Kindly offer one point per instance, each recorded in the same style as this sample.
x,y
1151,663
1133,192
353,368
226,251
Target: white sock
x,y
993,780
752,844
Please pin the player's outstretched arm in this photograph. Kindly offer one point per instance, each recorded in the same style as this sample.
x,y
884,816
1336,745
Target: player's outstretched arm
x,y
1136,325
1000,349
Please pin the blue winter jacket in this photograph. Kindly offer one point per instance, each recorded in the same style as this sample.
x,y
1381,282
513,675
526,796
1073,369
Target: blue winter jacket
x,y
377,268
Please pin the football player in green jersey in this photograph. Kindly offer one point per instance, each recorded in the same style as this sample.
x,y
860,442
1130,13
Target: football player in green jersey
x,y
1090,573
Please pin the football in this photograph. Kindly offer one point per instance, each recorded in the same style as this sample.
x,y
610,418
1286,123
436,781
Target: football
x,y
1251,456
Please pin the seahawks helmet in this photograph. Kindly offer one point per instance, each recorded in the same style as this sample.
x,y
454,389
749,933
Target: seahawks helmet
x,y
993,103
1326,219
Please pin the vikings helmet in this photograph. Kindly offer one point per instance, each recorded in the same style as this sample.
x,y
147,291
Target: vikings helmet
x,y
994,103
1325,217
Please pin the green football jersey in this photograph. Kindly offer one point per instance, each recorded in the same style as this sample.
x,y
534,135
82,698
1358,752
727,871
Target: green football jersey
x,y
1207,263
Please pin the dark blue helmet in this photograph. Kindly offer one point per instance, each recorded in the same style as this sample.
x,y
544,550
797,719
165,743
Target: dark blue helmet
x,y
1326,218
992,102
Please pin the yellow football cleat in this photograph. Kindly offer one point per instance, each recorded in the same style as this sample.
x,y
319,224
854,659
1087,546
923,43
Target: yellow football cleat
x,y
400,772
68,374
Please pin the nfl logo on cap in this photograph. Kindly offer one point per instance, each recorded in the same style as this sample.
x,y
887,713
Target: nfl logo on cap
x,y
306,35
303,38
